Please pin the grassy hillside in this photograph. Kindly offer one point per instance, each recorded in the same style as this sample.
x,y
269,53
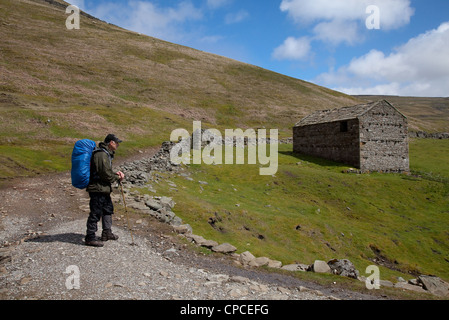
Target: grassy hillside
x,y
59,85
311,210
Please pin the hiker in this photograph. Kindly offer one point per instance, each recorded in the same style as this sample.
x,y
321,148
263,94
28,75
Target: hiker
x,y
100,187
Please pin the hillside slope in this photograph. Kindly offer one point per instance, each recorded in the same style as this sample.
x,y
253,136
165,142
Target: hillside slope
x,y
58,85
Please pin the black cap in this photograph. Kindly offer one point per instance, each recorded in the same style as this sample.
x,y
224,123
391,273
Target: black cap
x,y
112,137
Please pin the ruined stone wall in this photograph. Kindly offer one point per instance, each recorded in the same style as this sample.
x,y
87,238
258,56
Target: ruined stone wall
x,y
384,140
337,141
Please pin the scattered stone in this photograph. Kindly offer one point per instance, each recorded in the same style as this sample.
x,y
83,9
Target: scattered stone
x,y
218,278
320,266
274,264
195,238
435,285
304,289
167,202
259,262
386,283
238,292
153,204
209,244
163,273
408,286
284,290
183,229
25,280
137,206
343,267
246,257
224,248
5,255
239,279
415,282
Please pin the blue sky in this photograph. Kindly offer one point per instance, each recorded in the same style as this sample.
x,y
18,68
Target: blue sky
x,y
326,42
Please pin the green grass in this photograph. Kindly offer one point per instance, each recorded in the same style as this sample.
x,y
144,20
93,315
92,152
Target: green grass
x,y
35,140
429,158
404,218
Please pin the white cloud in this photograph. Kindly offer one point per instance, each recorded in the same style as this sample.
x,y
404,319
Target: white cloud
x,y
337,31
293,49
145,17
236,17
394,13
339,21
79,3
420,67
215,4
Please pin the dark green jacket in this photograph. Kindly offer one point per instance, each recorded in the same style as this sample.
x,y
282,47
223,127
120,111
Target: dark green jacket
x,y
101,174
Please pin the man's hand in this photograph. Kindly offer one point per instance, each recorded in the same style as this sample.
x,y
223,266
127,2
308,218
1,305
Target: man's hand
x,y
121,175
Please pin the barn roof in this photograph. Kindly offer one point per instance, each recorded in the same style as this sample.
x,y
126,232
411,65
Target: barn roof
x,y
342,114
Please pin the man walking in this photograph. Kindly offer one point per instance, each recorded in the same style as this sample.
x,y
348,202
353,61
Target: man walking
x,y
100,187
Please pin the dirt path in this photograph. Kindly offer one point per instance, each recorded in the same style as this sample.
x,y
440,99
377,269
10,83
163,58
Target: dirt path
x,y
42,229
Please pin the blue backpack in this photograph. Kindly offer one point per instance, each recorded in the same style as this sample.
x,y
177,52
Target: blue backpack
x,y
81,156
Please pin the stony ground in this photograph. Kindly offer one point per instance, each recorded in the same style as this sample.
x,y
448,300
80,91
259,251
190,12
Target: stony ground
x,y
42,231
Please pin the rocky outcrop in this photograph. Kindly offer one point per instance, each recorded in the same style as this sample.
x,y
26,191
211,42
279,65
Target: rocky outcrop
x,y
343,267
434,285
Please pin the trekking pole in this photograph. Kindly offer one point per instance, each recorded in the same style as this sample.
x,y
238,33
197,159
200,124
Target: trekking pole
x,y
126,212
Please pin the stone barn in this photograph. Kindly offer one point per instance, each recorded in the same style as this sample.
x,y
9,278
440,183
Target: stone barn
x,y
370,137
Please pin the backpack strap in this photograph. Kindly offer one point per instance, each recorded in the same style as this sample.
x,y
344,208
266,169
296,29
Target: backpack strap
x,y
110,156
93,173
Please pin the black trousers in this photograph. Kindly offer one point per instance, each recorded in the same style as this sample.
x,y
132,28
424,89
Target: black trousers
x,y
101,208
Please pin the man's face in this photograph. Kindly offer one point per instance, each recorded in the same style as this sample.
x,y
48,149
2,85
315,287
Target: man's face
x,y
113,145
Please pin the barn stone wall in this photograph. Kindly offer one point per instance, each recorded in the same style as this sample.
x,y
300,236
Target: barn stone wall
x,y
384,140
375,140
337,141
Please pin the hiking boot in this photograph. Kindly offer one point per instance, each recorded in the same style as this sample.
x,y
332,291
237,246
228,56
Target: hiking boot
x,y
94,243
108,235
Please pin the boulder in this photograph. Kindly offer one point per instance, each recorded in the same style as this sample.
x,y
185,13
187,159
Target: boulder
x,y
166,216
435,285
224,248
246,257
239,279
274,264
183,229
408,286
197,239
137,206
176,221
153,204
167,202
386,283
259,262
320,266
343,267
209,243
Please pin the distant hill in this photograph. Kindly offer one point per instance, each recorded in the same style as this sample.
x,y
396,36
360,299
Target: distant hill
x,y
59,85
